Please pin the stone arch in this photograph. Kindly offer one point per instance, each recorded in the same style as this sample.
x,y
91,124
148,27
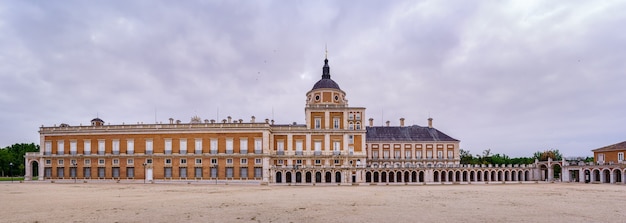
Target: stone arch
x,y
436,176
399,176
606,173
318,177
407,176
383,177
32,169
376,177
337,177
414,177
299,177
279,177
288,177
451,176
595,175
368,177
617,175
391,177
421,176
328,177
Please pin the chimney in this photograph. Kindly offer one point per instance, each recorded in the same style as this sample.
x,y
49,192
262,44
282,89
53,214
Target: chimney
x,y
230,119
252,119
212,121
267,121
272,121
371,122
171,121
387,122
178,122
224,121
430,122
240,120
401,122
206,121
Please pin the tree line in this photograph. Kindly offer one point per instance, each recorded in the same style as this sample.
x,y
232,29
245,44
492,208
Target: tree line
x,y
15,154
488,158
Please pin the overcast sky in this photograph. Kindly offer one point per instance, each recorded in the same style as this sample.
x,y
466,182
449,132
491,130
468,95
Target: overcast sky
x,y
514,77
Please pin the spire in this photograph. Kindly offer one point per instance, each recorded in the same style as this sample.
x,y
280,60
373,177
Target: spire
x,y
326,69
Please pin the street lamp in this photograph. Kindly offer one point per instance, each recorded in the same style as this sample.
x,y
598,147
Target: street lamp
x,y
11,171
75,165
144,173
217,174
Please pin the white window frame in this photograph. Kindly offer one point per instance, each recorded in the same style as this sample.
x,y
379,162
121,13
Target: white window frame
x,y
198,146
101,146
115,146
101,162
130,146
243,145
182,145
229,161
213,161
318,123
620,156
317,146
243,161
168,146
336,123
73,145
149,146
116,161
183,160
299,146
60,147
258,145
130,161
61,162
214,145
168,161
258,161
87,161
280,146
229,146
48,148
198,161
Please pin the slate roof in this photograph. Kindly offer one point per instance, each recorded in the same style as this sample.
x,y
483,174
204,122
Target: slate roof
x,y
97,120
326,83
614,147
407,133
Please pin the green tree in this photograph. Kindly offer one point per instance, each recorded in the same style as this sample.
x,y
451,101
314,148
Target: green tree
x,y
15,154
466,157
543,156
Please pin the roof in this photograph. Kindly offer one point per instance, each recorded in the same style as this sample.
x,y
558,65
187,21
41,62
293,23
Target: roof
x,y
97,120
326,83
614,147
408,133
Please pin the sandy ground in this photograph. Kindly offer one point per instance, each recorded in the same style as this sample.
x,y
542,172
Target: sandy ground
x,y
120,202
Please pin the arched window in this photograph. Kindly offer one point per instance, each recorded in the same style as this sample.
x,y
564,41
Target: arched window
x,y
351,126
358,126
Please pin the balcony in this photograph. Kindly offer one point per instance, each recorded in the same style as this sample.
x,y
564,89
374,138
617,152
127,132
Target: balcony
x,y
243,151
258,151
336,153
317,153
280,153
229,151
299,153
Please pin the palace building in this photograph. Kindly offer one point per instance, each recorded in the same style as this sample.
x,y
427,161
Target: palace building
x,y
334,145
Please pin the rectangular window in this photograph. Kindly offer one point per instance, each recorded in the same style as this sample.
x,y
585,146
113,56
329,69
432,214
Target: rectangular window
x,y
130,161
358,116
48,162
397,154
243,145
280,147
61,162
130,172
318,147
130,146
198,161
198,146
60,172
115,146
418,154
229,172
214,146
407,154
116,172
87,147
229,146
101,146
149,161
183,146
214,172
439,154
48,148
60,147
350,139
258,172
299,162
73,147
229,161
168,172
429,154
149,146
168,146
87,172
182,172
318,162
318,123
213,161
298,147
351,150
101,172
375,154
243,172
258,145
450,154
168,161
336,162
281,162
385,154
257,161
87,161
198,172
101,162
620,156
116,162
336,147
335,123
244,161
183,161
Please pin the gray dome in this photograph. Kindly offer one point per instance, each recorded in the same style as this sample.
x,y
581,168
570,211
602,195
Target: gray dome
x,y
326,83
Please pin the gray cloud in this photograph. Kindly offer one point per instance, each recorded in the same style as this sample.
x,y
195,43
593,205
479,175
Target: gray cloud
x,y
515,77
